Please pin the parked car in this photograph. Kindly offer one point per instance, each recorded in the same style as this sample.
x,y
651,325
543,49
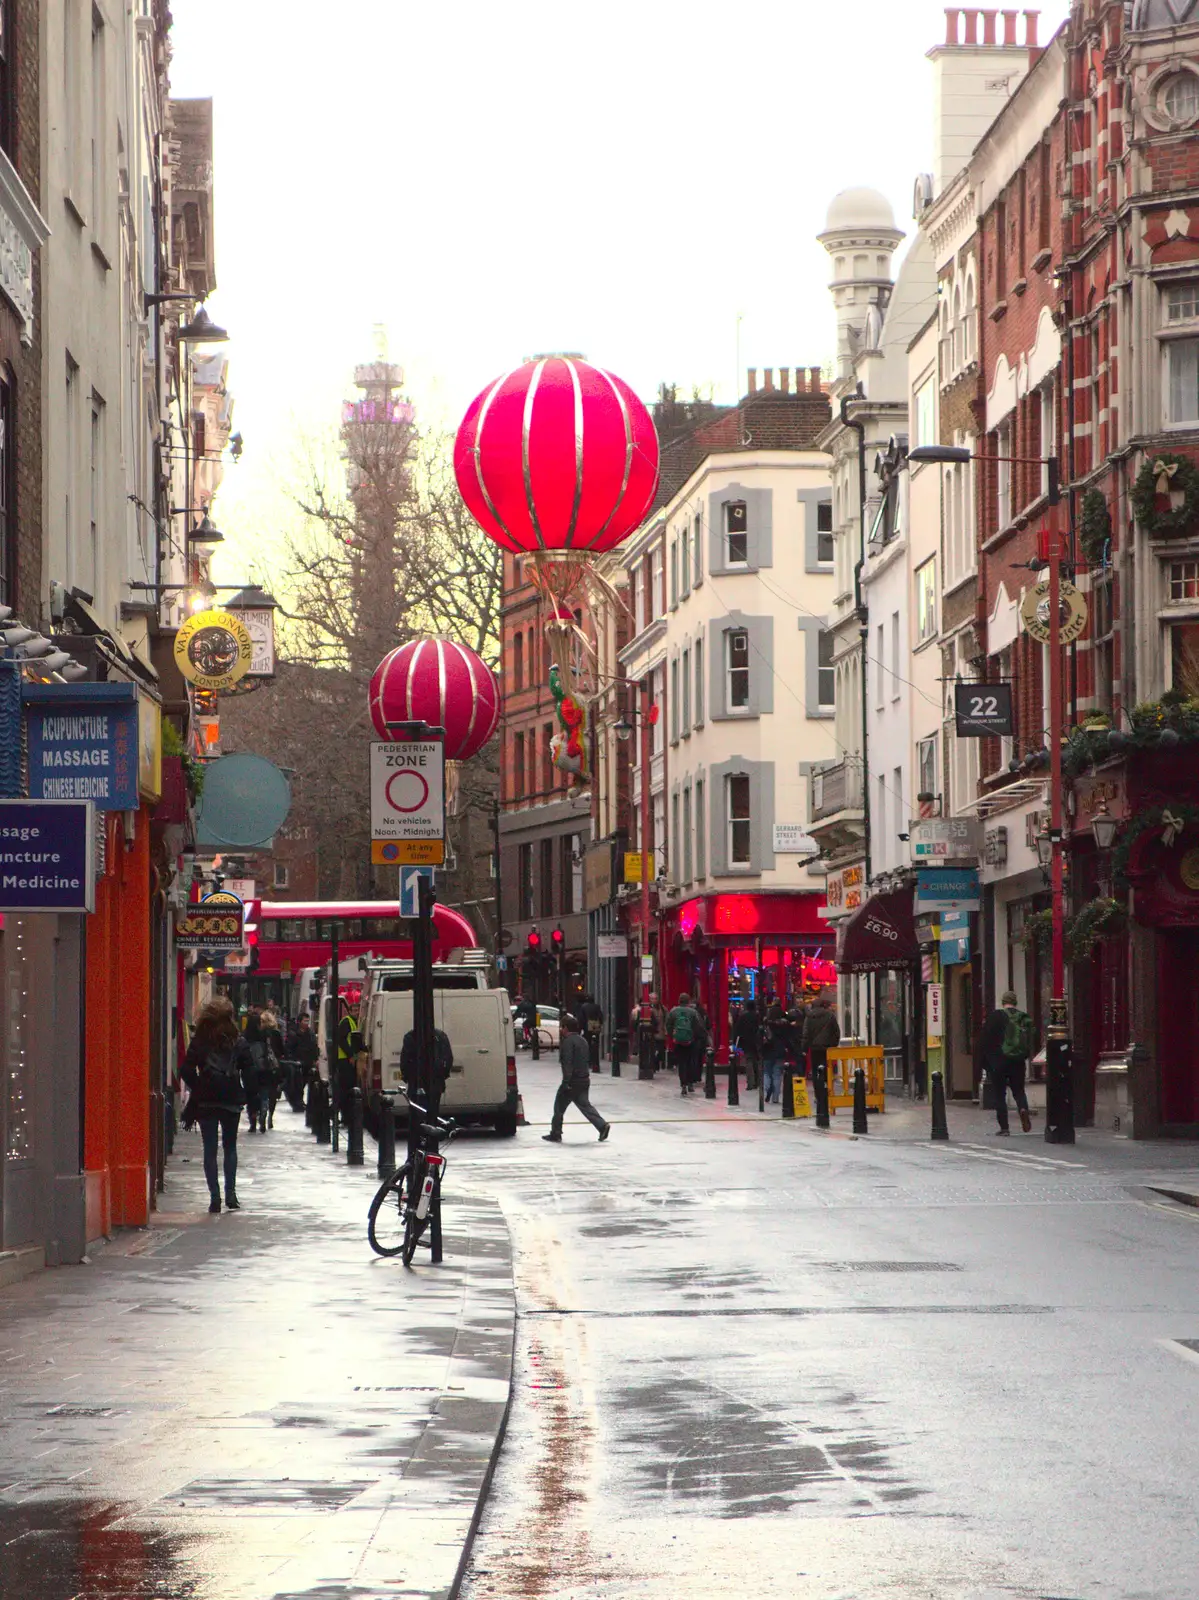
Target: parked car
x,y
548,1027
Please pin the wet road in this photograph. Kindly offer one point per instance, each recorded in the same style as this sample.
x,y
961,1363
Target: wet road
x,y
754,1359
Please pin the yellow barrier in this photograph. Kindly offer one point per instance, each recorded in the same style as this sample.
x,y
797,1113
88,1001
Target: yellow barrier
x,y
843,1062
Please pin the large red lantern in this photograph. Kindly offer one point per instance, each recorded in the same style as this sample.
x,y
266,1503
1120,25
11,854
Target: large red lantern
x,y
444,684
557,455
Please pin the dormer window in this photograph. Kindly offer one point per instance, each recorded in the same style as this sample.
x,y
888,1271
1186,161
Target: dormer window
x,y
736,532
1180,98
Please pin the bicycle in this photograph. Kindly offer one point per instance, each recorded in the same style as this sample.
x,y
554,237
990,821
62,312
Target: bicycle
x,y
401,1209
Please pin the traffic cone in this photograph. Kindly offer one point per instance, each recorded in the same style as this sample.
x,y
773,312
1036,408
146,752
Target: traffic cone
x,y
521,1120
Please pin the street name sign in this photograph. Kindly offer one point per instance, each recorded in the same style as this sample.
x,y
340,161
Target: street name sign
x,y
408,800
611,946
47,855
793,839
982,710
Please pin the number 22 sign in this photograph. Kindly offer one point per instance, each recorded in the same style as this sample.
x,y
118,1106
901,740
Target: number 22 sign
x,y
982,710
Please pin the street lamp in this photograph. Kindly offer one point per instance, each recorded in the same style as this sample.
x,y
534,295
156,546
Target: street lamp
x,y
1105,827
205,535
1059,1087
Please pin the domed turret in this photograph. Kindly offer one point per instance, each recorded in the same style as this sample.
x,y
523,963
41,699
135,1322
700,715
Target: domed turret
x,y
860,236
1150,14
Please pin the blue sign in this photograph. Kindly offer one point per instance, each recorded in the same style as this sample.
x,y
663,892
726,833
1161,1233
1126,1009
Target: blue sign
x,y
47,855
947,889
83,743
410,878
955,938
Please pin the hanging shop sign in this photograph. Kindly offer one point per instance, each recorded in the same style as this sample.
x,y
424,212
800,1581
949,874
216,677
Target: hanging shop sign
x,y
611,946
1072,612
84,743
982,710
259,623
632,866
843,892
214,650
213,923
955,938
597,875
946,890
945,839
47,855
936,1013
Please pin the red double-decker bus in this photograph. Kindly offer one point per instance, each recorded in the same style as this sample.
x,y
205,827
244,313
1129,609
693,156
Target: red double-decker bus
x,y
291,938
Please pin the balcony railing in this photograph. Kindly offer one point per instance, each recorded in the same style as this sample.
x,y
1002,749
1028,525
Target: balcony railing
x,y
835,788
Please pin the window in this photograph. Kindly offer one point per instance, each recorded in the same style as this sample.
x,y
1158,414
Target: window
x,y
879,669
531,656
1180,97
524,882
518,766
701,864
736,533
1003,474
547,878
658,573
697,552
1102,634
547,757
8,120
737,808
1182,302
645,595
98,124
280,876
95,486
895,655
1184,658
1184,580
675,852
926,413
1048,444
518,661
674,700
901,822
926,600
686,676
699,682
1182,358
926,767
737,670
825,673
674,572
824,532
72,467
685,560
686,835
566,873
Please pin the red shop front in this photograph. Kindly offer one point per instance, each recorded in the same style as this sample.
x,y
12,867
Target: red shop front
x,y
725,947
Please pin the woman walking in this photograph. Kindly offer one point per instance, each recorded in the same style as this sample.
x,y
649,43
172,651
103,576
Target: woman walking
x,y
214,1070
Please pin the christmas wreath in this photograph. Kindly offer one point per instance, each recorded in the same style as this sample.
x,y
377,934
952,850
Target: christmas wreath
x,y
1170,820
1095,921
1165,497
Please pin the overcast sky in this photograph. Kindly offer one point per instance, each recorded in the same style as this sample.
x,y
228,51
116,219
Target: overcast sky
x,y
488,181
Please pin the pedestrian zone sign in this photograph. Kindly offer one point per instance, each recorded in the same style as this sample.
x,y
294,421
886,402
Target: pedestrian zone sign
x,y
408,801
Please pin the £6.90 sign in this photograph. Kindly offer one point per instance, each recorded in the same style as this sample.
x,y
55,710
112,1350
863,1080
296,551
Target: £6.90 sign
x,y
408,799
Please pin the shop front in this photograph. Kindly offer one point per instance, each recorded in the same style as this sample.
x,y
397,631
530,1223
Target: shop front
x,y
878,943
725,949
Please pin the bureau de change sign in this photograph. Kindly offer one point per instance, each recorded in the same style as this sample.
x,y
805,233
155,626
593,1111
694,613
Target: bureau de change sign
x,y
47,855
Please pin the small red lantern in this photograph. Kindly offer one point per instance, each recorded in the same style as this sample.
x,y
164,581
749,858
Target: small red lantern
x,y
557,455
442,683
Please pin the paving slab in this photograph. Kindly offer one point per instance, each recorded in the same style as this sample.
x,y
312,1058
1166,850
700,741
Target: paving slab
x,y
253,1406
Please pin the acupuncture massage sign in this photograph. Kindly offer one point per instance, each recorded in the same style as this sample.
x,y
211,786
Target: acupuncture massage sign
x,y
84,751
47,855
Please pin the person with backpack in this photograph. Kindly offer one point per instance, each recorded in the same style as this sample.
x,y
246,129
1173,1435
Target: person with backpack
x,y
683,1029
258,1074
1007,1040
776,1050
215,1071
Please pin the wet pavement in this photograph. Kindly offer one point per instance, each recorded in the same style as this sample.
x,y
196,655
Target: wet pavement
x,y
753,1358
253,1406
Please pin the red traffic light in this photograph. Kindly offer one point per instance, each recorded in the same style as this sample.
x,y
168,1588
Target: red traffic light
x,y
557,938
533,942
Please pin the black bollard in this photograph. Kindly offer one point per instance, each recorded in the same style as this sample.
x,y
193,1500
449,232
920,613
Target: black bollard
x,y
335,1114
734,1086
310,1106
820,1089
536,1042
616,1052
788,1092
321,1124
387,1137
761,1089
593,1050
354,1155
859,1101
940,1121
710,1074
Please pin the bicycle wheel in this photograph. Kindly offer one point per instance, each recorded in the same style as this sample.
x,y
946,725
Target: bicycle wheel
x,y
385,1220
414,1226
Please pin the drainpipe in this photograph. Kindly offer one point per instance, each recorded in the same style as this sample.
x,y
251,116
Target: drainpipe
x,y
863,613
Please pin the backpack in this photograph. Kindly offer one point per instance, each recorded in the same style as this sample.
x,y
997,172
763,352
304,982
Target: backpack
x,y
1017,1036
681,1020
219,1081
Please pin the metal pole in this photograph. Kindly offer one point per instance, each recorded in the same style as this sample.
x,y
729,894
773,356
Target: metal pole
x,y
1059,1108
645,1021
331,1042
422,999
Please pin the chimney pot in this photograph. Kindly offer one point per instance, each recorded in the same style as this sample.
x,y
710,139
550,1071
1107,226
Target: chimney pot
x,y
785,379
971,17
988,27
814,377
1009,27
753,380
951,24
1030,28
768,377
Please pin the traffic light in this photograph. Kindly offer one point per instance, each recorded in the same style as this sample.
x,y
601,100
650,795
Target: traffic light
x,y
558,940
533,942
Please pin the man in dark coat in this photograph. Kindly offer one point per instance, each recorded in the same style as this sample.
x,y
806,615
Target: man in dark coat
x,y
575,1088
1004,1042
821,1033
747,1031
431,1085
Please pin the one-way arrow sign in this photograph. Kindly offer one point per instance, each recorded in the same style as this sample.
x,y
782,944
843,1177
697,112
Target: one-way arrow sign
x,y
410,878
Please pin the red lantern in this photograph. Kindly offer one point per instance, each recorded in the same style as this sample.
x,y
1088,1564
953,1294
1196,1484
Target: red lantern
x,y
557,456
443,684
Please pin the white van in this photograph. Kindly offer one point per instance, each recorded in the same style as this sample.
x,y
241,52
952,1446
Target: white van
x,y
478,1023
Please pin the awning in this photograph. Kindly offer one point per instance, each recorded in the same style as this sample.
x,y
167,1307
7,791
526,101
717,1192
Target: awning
x,y
881,935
